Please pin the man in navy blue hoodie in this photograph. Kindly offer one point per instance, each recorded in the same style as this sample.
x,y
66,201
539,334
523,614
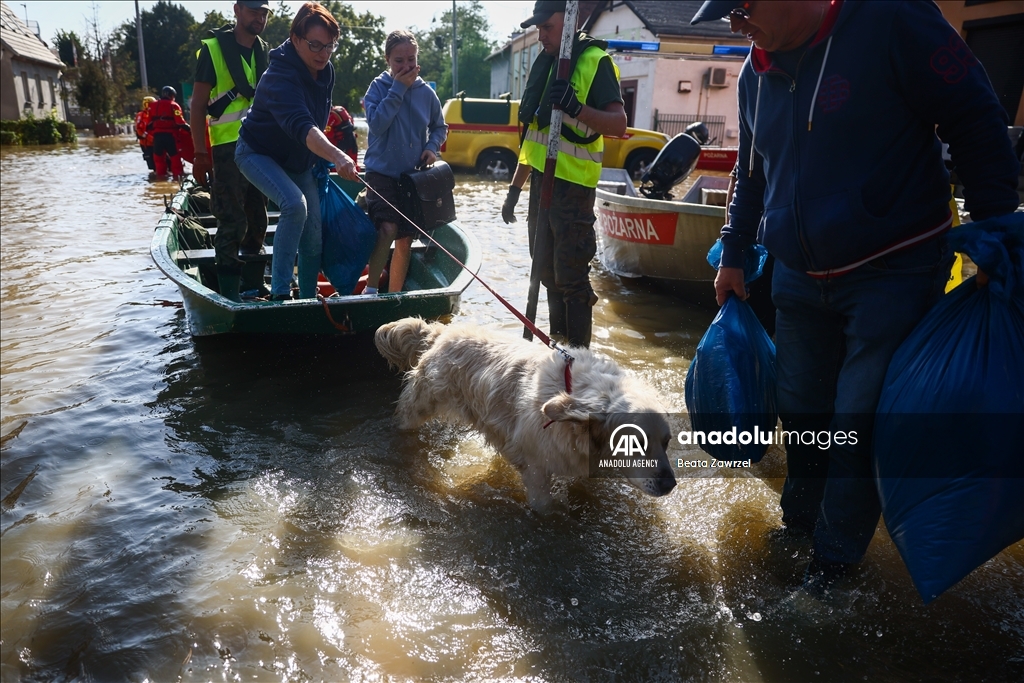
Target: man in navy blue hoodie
x,y
842,107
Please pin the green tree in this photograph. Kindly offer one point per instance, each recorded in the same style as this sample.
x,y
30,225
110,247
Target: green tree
x,y
360,55
472,51
102,77
92,89
167,31
279,25
201,31
69,47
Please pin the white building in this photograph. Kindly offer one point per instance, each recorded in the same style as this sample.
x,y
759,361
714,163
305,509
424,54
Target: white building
x,y
684,81
29,72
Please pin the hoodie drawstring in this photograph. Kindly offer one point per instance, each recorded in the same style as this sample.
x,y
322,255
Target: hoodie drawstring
x,y
814,97
753,132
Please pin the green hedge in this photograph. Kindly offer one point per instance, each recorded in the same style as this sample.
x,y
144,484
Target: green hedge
x,y
33,131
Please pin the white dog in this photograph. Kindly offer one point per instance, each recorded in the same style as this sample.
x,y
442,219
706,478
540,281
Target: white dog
x,y
509,389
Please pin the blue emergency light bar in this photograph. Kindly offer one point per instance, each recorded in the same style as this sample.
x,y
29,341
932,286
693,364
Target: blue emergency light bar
x,y
655,46
732,50
639,45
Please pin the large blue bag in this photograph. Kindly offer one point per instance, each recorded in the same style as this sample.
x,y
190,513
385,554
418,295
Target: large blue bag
x,y
949,430
730,385
348,235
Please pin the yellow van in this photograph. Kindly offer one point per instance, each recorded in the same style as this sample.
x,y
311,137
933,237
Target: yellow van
x,y
484,135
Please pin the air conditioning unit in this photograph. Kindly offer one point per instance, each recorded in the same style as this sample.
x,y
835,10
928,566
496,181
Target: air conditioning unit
x,y
717,77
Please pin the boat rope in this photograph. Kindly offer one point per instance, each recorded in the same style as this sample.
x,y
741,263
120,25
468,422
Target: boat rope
x,y
341,327
545,339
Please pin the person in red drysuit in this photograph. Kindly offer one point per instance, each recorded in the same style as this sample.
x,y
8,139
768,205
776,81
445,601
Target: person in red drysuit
x,y
144,137
165,118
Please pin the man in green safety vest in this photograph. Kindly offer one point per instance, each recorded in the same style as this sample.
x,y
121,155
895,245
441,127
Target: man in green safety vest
x,y
592,107
231,62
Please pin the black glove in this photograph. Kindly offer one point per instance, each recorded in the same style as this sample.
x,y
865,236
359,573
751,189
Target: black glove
x,y
509,207
564,97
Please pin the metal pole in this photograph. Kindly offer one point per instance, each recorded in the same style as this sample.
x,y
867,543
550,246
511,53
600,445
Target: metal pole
x,y
455,51
142,48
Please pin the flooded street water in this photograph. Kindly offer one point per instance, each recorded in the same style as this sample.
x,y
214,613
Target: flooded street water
x,y
198,512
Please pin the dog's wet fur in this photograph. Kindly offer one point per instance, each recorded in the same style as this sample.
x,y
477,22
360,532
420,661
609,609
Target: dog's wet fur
x,y
509,389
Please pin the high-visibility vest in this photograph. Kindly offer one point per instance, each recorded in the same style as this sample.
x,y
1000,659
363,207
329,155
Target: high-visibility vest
x,y
224,129
578,163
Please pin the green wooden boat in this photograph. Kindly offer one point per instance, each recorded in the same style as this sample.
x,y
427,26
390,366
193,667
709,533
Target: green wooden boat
x,y
433,286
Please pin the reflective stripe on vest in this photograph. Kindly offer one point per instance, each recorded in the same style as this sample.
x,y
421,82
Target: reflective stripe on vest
x,y
579,164
225,128
564,147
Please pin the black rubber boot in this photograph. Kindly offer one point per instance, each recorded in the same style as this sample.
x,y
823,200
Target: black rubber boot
x,y
579,318
228,284
556,314
252,279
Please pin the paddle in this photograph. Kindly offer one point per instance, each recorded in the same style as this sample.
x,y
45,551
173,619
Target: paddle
x,y
542,240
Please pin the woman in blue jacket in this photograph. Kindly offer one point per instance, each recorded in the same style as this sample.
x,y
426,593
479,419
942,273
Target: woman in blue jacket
x,y
281,137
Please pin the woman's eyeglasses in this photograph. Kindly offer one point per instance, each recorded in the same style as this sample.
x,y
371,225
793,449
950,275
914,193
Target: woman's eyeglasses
x,y
739,14
317,46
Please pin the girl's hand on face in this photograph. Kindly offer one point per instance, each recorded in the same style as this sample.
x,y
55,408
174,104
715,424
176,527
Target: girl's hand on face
x,y
408,76
427,158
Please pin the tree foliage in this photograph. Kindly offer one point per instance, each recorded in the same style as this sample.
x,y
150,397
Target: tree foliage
x,y
201,31
279,25
167,31
99,77
172,37
472,51
360,55
69,47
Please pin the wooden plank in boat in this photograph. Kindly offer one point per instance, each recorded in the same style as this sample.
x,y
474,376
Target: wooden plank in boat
x,y
201,257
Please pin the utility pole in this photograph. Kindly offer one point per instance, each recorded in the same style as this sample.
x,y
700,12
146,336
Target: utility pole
x,y
142,47
455,51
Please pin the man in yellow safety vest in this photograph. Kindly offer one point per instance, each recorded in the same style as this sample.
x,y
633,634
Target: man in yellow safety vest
x,y
592,107
231,62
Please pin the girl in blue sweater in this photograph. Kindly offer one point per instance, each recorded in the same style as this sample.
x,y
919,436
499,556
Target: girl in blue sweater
x,y
406,131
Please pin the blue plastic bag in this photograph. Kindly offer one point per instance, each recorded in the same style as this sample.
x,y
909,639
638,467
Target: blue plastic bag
x,y
949,430
348,235
730,385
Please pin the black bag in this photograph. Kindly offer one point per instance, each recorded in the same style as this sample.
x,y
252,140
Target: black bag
x,y
427,195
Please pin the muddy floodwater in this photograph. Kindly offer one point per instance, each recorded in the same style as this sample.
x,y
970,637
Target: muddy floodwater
x,y
179,511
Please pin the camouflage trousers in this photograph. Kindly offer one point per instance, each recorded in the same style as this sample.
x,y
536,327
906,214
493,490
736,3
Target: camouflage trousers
x,y
567,241
241,212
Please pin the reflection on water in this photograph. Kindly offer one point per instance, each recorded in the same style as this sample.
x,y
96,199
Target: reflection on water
x,y
183,510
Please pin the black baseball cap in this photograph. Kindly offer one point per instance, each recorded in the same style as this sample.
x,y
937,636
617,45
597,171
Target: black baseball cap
x,y
715,9
542,11
255,4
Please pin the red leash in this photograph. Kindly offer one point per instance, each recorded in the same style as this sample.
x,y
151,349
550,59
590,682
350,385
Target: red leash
x,y
545,339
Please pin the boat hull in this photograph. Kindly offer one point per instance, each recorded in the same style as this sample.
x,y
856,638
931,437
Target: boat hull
x,y
717,158
435,280
665,241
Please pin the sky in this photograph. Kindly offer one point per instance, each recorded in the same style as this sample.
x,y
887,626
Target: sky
x,y
75,16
